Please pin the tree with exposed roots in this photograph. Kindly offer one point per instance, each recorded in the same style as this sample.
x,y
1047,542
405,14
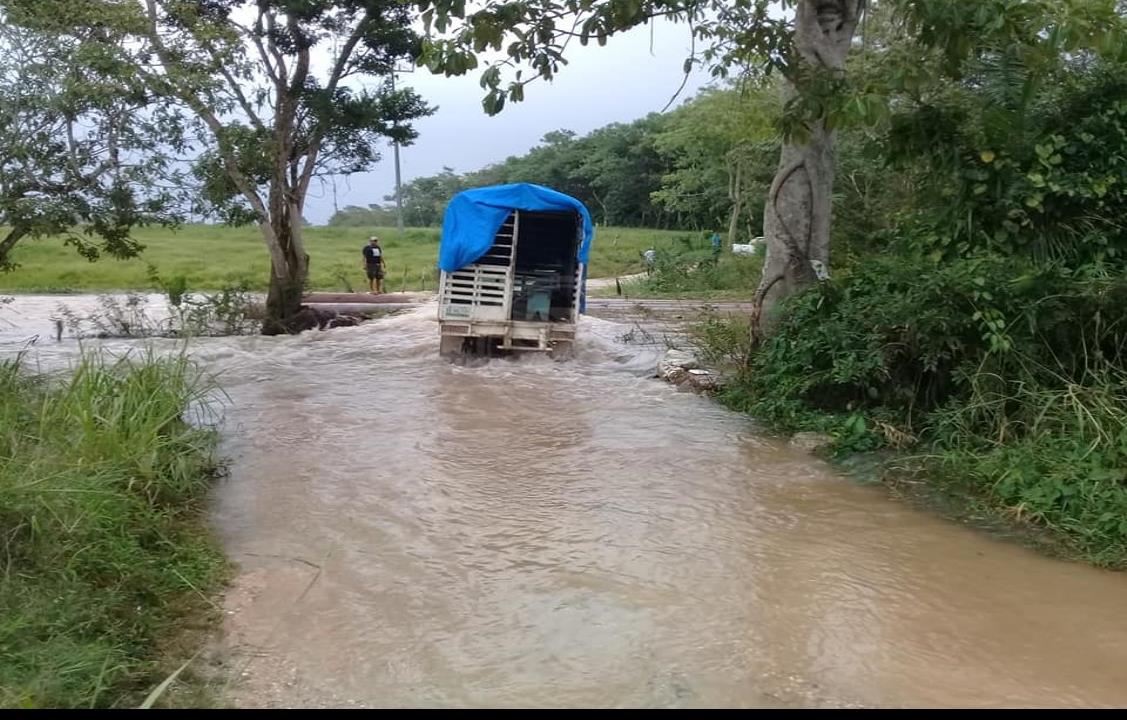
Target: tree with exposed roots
x,y
278,95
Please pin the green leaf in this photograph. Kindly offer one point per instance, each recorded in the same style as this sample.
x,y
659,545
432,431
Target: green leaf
x,y
493,103
166,683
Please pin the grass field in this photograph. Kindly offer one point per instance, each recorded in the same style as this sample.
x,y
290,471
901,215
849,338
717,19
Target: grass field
x,y
210,257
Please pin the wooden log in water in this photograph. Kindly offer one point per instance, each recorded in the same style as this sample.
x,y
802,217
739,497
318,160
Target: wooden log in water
x,y
323,298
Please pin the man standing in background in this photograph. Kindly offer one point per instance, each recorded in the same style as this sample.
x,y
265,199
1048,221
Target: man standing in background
x,y
374,265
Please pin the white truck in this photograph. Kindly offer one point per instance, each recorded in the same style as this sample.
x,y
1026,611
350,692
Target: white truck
x,y
523,295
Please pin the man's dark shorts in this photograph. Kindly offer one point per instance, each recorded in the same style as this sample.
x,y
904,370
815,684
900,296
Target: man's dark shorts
x,y
375,272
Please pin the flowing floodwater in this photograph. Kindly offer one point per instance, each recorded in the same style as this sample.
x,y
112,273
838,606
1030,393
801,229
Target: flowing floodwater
x,y
415,533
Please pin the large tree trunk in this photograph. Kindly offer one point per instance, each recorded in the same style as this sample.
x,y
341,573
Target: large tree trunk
x,y
289,272
283,301
796,223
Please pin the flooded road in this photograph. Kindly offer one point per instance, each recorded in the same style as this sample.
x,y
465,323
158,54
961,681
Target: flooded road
x,y
538,534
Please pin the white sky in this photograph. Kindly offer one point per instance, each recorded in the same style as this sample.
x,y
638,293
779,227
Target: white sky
x,y
615,83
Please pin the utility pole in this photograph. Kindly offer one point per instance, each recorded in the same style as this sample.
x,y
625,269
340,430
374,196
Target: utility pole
x,y
398,192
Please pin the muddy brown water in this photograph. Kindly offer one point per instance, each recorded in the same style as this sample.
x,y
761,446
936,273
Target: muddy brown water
x,y
414,533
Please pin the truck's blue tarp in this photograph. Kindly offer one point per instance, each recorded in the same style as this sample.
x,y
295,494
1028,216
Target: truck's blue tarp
x,y
473,218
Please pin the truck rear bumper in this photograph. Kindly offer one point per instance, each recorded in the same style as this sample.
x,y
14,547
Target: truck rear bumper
x,y
512,335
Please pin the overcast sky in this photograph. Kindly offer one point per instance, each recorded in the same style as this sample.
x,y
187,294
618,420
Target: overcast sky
x,y
619,82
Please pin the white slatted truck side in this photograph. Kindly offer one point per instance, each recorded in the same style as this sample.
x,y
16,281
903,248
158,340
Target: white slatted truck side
x,y
523,295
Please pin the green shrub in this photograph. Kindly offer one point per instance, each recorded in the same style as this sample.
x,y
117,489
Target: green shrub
x,y
1011,374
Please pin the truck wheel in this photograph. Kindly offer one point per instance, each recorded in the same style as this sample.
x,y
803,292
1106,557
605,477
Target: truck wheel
x,y
450,346
562,350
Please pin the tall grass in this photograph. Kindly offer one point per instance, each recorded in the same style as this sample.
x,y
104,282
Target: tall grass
x,y
103,548
1047,456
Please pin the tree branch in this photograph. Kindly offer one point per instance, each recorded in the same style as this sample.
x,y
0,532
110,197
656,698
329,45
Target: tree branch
x,y
346,54
271,28
230,163
255,36
236,89
72,146
15,234
301,70
32,183
315,135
